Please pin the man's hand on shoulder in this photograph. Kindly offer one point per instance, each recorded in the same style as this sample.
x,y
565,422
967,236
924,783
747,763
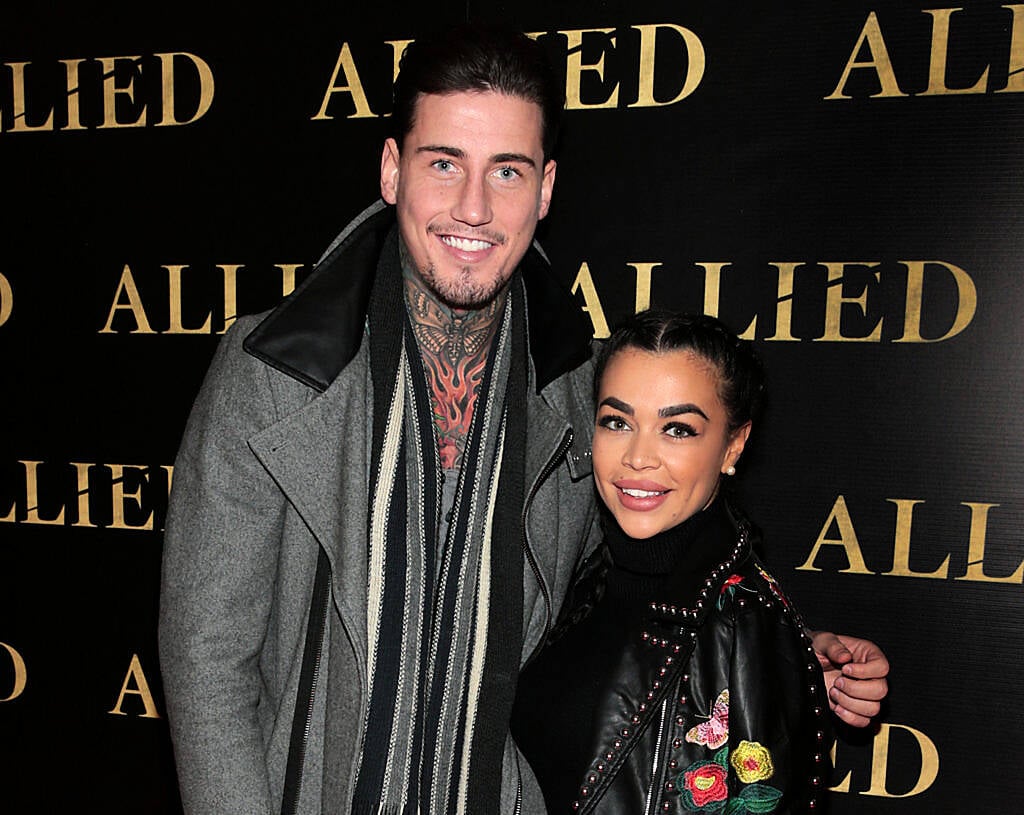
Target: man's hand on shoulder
x,y
855,671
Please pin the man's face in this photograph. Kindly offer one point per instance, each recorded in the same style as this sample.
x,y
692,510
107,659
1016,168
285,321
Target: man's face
x,y
469,184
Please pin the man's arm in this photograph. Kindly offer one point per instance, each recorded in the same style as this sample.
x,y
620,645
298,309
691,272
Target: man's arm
x,y
855,675
219,566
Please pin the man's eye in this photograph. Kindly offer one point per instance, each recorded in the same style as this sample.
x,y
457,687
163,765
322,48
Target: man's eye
x,y
508,173
444,165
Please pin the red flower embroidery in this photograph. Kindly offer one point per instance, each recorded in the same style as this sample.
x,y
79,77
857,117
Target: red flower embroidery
x,y
704,783
732,580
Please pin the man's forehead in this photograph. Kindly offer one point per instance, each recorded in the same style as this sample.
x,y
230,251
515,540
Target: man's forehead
x,y
469,109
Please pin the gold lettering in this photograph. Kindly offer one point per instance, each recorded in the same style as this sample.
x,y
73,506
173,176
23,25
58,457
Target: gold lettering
x,y
82,479
901,544
20,673
20,123
71,70
134,305
976,549
1015,70
880,762
119,497
847,540
834,301
643,284
111,91
844,785
287,277
174,304
574,69
32,497
206,87
585,282
354,88
939,55
141,690
230,293
694,70
872,35
967,301
398,49
783,308
6,299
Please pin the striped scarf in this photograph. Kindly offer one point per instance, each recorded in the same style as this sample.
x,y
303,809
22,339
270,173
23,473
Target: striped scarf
x,y
444,637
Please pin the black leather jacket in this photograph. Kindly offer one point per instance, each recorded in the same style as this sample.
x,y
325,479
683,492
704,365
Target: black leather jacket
x,y
718,704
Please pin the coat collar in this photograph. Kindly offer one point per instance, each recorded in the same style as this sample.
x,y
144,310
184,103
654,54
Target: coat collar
x,y
317,331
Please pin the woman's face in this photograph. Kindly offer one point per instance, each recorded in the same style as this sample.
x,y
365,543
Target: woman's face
x,y
661,439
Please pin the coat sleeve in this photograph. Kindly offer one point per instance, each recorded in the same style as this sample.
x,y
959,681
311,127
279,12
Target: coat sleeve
x,y
777,716
220,557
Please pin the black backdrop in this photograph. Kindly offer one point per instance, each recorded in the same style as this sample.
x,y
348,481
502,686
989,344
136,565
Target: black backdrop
x,y
840,180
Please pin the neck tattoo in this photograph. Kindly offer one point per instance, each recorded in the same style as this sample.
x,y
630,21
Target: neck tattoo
x,y
453,345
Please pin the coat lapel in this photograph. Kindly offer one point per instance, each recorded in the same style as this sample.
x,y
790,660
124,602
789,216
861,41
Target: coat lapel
x,y
319,457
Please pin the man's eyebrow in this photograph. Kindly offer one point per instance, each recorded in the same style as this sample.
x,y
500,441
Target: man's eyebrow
x,y
617,404
513,158
676,410
454,152
498,158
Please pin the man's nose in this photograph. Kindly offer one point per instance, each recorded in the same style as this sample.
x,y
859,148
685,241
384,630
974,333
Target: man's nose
x,y
473,205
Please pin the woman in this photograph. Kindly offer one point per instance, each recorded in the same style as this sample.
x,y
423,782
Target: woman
x,y
680,678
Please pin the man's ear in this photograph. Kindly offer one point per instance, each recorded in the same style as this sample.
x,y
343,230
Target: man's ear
x,y
547,185
389,171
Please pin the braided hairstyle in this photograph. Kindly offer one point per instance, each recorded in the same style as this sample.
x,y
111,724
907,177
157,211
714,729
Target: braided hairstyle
x,y
657,331
740,379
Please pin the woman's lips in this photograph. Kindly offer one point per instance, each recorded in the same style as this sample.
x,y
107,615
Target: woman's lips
x,y
640,496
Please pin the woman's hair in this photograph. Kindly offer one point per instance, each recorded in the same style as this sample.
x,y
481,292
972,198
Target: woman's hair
x,y
739,372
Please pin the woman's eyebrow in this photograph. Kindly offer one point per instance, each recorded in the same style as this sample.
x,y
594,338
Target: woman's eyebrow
x,y
617,404
676,410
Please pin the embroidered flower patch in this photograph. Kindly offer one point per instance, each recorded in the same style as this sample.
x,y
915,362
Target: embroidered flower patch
x,y
703,785
752,762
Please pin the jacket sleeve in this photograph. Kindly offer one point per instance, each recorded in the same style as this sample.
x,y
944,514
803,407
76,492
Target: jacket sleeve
x,y
777,746
219,565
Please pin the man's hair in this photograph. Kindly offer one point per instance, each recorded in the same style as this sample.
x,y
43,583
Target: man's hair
x,y
476,57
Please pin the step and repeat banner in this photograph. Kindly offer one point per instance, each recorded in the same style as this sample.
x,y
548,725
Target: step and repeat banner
x,y
840,182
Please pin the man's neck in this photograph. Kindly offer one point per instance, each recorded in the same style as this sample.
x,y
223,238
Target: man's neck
x,y
454,345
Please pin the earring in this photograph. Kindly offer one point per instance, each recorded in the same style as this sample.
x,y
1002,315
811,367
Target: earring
x,y
730,470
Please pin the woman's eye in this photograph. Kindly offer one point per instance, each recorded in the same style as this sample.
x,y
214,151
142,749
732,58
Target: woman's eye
x,y
679,431
613,423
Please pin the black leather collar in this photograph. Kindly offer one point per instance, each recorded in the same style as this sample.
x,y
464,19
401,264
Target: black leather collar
x,y
317,331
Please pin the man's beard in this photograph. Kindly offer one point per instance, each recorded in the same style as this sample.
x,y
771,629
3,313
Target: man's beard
x,y
466,292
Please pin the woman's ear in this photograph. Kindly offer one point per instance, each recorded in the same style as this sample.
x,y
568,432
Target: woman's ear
x,y
737,442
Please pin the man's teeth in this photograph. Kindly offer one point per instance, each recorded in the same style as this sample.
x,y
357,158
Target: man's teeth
x,y
642,493
466,244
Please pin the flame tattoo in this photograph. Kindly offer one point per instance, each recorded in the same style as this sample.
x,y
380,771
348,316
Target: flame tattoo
x,y
453,346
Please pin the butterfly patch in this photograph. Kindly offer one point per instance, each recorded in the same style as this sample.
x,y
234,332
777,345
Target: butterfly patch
x,y
714,732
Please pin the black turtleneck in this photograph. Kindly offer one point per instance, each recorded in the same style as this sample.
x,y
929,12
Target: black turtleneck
x,y
560,689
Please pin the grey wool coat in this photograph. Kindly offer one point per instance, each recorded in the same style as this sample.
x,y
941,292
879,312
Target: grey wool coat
x,y
273,469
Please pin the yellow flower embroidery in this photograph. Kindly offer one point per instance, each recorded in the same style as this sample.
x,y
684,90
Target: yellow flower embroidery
x,y
752,762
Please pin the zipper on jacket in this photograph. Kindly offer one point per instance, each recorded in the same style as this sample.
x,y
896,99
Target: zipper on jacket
x,y
560,452
657,758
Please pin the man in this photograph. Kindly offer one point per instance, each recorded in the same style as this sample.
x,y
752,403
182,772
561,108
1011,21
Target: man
x,y
384,485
